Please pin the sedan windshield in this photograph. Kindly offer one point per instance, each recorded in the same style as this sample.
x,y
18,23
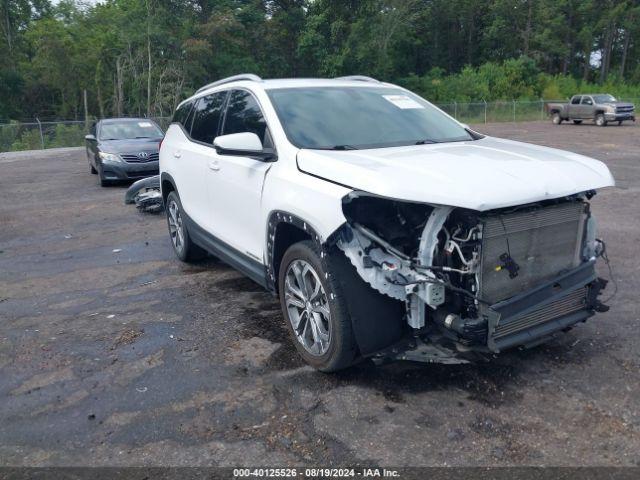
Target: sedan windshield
x,y
129,129
348,118
604,98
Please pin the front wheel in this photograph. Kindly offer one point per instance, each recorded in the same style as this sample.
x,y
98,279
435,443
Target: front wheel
x,y
556,118
315,310
103,182
600,120
185,249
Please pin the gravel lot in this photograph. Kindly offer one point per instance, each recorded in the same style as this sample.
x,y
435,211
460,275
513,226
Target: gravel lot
x,y
112,352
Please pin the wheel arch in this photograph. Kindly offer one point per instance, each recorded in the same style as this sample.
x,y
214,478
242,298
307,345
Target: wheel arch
x,y
283,230
167,185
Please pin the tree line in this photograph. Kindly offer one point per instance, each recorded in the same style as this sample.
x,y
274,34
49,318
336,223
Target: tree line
x,y
141,57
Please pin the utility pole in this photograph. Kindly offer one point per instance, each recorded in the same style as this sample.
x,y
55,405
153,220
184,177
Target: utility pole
x,y
86,112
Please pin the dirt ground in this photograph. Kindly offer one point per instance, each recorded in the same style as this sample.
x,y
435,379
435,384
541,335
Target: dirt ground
x,y
112,352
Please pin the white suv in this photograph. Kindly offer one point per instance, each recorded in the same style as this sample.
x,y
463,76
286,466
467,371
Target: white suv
x,y
388,229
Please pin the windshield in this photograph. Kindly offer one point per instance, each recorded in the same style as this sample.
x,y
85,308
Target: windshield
x,y
128,130
344,118
604,98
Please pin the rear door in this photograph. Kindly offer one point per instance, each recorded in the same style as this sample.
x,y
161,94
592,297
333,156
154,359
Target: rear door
x,y
235,182
194,155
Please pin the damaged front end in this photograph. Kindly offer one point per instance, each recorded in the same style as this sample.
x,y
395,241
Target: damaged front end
x,y
469,283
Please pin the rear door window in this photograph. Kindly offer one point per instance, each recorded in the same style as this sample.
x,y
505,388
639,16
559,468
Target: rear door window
x,y
575,100
206,117
244,115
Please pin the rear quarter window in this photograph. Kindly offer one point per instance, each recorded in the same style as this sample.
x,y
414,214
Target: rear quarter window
x,y
181,114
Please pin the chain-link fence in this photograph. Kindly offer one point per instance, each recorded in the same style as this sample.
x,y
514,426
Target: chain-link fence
x,y
493,112
36,135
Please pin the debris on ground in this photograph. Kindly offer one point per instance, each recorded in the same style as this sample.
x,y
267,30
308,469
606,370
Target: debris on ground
x,y
146,195
126,337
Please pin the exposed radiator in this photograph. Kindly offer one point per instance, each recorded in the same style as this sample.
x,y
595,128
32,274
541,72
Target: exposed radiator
x,y
570,303
543,243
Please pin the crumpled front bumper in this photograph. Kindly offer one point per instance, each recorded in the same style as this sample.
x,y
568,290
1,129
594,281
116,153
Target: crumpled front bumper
x,y
532,316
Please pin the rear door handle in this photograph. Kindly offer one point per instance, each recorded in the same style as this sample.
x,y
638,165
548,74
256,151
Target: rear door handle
x,y
214,165
177,154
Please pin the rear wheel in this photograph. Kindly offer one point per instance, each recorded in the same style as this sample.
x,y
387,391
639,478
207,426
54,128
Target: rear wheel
x,y
577,122
600,120
556,118
185,249
315,310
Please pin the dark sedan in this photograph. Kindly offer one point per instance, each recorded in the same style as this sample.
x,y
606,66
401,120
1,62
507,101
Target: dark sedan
x,y
123,149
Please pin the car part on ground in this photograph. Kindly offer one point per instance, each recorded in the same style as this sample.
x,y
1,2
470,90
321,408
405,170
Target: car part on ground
x,y
146,195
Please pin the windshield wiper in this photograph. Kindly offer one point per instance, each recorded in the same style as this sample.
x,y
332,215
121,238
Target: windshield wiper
x,y
426,141
343,147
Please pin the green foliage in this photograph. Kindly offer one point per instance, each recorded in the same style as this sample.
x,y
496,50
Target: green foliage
x,y
28,140
65,136
141,57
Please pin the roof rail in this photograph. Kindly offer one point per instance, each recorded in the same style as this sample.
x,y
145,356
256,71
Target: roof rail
x,y
235,78
358,78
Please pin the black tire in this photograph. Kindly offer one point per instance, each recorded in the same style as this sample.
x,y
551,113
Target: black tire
x,y
556,119
102,180
577,122
600,120
341,351
185,249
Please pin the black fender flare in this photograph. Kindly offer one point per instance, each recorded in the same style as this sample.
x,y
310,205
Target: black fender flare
x,y
164,176
278,217
377,320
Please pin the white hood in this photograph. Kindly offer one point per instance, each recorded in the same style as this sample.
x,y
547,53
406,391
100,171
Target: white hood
x,y
479,175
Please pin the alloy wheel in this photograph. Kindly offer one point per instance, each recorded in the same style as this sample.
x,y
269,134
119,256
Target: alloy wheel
x,y
307,307
175,226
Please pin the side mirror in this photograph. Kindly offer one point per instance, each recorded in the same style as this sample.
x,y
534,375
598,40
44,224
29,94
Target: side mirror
x,y
245,144
90,137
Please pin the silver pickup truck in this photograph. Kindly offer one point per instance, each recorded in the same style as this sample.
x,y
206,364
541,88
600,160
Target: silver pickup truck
x,y
600,108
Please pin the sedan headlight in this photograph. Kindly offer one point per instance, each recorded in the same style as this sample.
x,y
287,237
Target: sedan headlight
x,y
110,157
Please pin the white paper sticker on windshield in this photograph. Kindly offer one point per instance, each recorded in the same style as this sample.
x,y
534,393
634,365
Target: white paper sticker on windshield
x,y
145,124
402,101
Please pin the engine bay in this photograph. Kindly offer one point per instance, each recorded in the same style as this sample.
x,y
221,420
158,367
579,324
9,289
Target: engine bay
x,y
451,266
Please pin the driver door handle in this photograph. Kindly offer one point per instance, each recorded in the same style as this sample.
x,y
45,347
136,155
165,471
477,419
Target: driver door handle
x,y
214,165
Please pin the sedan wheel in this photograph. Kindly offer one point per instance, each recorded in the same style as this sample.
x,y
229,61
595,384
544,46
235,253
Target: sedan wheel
x,y
308,307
